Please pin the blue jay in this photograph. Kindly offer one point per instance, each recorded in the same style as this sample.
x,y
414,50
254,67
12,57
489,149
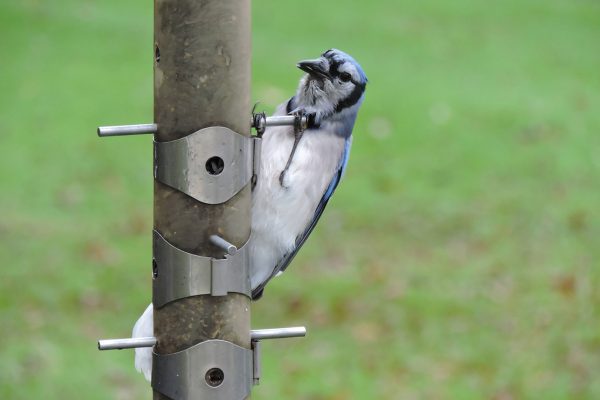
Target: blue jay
x,y
299,171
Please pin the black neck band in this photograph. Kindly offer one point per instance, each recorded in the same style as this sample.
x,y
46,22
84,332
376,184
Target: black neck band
x,y
352,99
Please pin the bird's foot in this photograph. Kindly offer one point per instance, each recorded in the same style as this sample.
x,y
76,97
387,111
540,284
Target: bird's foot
x,y
282,181
306,120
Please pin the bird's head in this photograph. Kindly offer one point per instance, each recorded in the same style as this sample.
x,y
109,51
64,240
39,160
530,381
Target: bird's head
x,y
334,83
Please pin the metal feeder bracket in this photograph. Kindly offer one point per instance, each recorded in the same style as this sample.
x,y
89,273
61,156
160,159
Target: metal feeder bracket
x,y
178,274
211,165
214,369
179,375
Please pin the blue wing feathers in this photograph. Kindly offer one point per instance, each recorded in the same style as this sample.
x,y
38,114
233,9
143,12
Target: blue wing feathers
x,y
340,172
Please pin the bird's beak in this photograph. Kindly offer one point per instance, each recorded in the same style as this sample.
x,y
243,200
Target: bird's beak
x,y
317,68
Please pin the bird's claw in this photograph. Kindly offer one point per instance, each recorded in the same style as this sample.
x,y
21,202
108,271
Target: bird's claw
x,y
306,120
282,179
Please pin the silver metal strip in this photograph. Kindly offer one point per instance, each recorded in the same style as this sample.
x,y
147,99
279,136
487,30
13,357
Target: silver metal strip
x,y
210,165
214,369
180,274
256,361
257,151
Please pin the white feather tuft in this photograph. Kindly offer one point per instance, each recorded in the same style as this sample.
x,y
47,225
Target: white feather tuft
x,y
144,327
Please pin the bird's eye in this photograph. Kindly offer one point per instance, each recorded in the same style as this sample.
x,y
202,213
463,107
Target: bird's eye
x,y
345,77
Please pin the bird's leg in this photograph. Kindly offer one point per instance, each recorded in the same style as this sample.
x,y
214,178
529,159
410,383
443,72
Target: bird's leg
x,y
312,121
297,136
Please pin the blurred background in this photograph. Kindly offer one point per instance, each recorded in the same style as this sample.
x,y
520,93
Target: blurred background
x,y
458,260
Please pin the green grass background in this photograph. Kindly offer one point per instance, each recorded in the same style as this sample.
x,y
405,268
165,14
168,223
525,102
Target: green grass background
x,y
458,260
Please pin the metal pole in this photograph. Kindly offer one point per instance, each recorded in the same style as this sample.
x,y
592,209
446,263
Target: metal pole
x,y
201,79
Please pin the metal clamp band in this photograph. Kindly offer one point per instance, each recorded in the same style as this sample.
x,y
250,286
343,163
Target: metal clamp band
x,y
180,274
214,369
211,165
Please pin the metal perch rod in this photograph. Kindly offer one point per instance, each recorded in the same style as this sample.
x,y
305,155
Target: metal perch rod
x,y
143,129
257,334
280,120
278,333
124,130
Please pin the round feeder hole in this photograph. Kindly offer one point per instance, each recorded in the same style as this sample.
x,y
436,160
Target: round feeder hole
x,y
154,269
215,165
214,377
